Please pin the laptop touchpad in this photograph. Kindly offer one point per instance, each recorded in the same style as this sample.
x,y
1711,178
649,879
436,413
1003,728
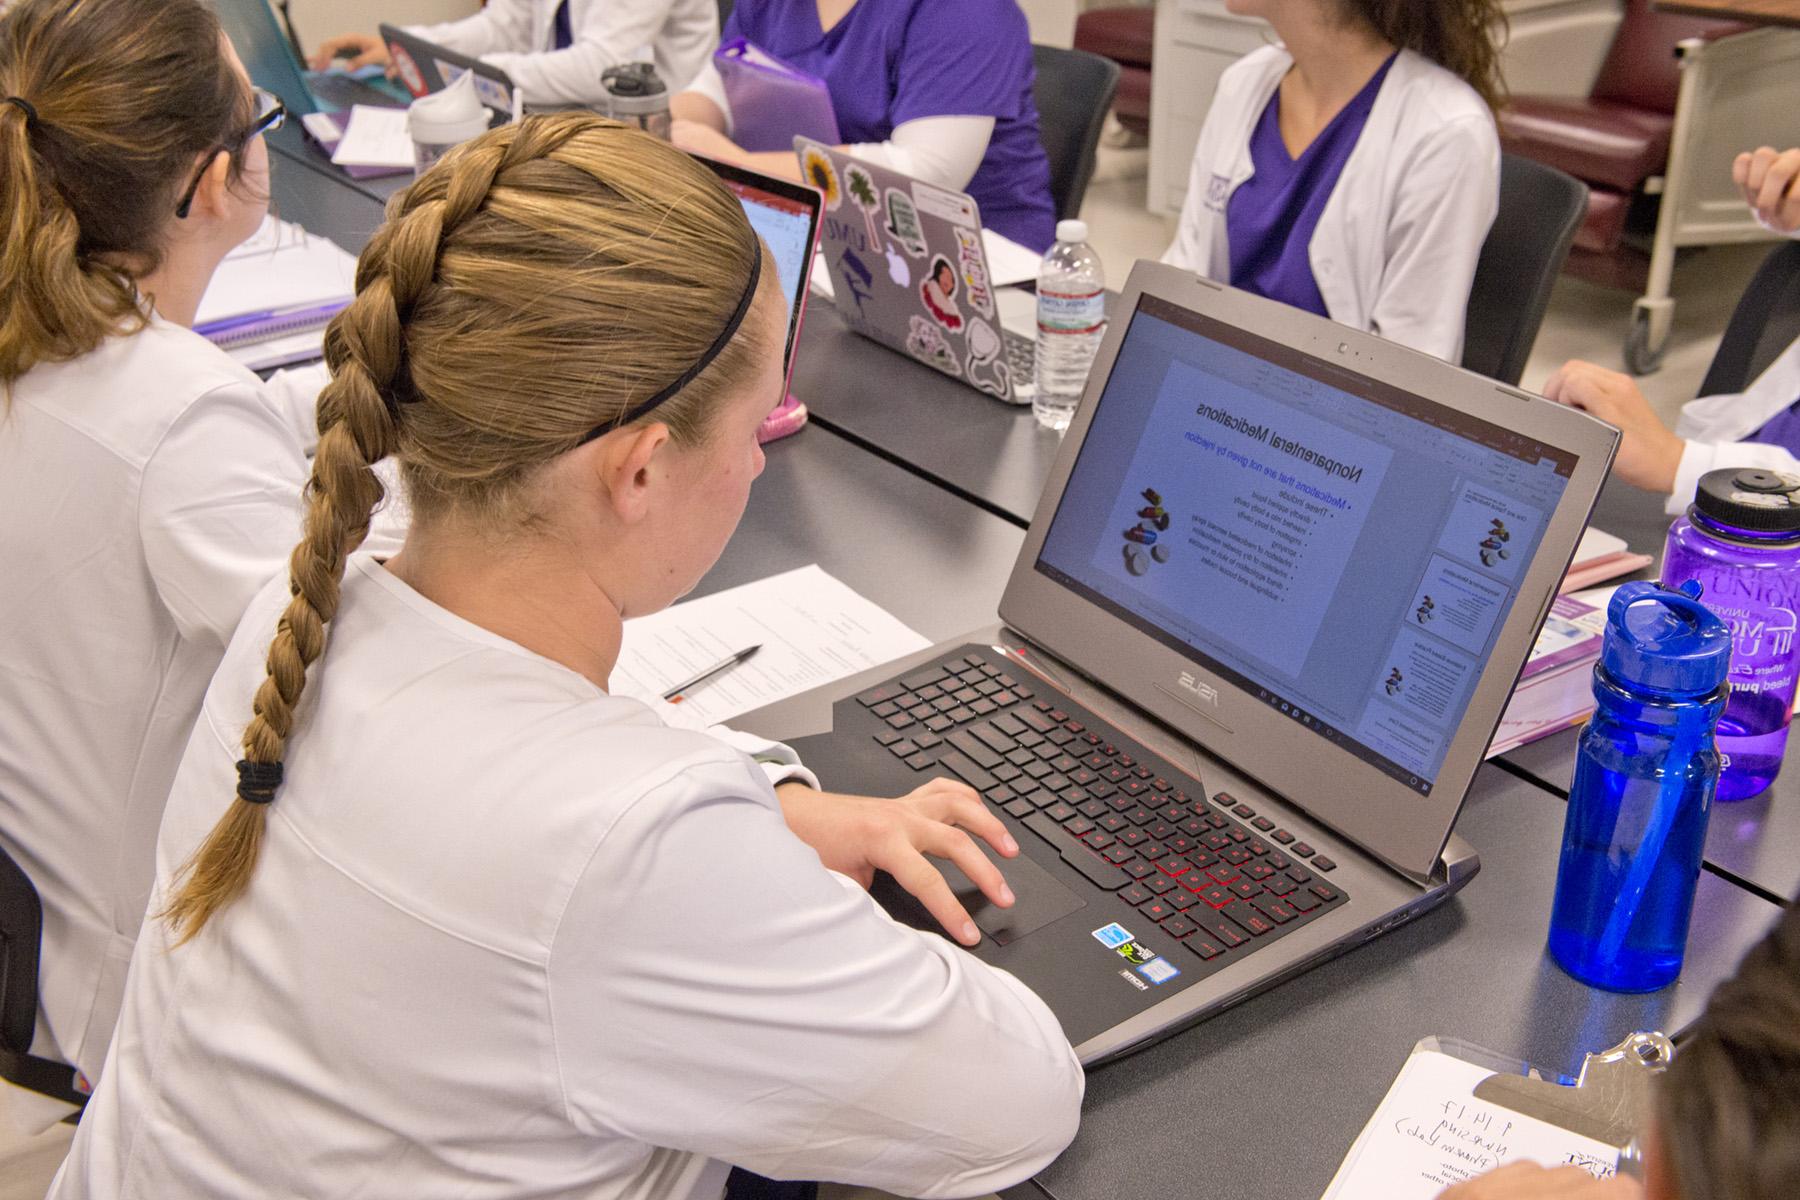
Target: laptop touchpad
x,y
1040,899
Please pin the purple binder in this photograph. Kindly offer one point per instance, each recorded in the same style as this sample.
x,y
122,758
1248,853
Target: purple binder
x,y
771,102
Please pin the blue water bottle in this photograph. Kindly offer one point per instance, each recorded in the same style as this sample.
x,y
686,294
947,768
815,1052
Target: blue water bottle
x,y
1644,779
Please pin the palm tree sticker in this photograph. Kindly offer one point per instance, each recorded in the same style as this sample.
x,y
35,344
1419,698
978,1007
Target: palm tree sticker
x,y
863,193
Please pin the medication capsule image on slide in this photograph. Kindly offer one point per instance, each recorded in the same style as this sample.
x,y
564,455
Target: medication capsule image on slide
x,y
1160,553
1140,535
1152,495
1136,561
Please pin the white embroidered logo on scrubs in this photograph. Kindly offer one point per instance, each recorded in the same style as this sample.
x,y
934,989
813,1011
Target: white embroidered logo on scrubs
x,y
1215,192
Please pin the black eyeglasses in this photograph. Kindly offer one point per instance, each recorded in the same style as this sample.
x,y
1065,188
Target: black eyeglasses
x,y
270,113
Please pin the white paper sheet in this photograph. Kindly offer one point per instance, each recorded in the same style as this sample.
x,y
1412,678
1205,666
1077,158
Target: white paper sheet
x,y
279,268
375,137
813,629
1431,1132
1008,262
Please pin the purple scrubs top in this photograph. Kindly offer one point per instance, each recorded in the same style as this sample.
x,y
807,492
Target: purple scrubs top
x,y
892,61
1782,429
1270,218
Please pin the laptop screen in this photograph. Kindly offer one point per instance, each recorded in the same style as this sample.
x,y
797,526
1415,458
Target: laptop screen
x,y
265,51
1341,550
786,217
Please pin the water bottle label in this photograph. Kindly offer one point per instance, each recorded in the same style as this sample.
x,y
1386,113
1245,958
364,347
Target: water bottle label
x,y
1071,312
1762,645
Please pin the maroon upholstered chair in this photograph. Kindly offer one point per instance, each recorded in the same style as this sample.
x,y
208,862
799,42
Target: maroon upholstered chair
x,y
1127,35
1616,139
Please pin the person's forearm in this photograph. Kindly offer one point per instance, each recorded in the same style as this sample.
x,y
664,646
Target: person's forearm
x,y
701,109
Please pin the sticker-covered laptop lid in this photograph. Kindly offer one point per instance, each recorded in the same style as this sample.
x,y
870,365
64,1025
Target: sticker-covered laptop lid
x,y
909,268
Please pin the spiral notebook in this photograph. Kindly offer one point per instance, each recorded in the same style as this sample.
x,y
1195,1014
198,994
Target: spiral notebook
x,y
278,289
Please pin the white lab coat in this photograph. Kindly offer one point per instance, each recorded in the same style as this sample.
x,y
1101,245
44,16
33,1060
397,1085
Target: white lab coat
x,y
147,490
1713,425
679,36
511,936
1395,247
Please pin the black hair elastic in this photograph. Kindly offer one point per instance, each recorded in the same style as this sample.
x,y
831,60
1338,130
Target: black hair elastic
x,y
25,106
688,376
257,781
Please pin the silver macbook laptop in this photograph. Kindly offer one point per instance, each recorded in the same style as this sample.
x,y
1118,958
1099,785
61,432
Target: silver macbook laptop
x,y
909,270
1278,589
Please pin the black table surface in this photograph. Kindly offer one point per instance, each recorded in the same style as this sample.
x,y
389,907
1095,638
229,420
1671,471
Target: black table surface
x,y
932,560
994,455
1265,1099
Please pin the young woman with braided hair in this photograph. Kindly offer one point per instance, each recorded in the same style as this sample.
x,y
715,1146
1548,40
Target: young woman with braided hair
x,y
148,483
469,925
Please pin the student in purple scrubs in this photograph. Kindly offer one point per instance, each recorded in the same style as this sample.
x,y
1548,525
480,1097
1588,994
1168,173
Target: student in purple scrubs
x,y
937,89
1353,168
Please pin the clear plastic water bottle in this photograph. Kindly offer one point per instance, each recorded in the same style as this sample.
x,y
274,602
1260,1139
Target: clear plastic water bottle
x,y
1741,539
1071,316
1644,777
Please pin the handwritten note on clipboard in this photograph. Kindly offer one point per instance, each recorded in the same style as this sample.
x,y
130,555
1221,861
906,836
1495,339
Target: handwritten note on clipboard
x,y
1431,1132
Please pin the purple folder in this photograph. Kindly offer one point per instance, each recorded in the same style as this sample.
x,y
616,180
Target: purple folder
x,y
771,102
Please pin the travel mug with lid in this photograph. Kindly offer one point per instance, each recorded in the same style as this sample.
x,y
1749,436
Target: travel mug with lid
x,y
636,95
1644,776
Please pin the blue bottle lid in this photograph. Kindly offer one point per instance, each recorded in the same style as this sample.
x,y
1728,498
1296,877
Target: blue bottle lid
x,y
1664,640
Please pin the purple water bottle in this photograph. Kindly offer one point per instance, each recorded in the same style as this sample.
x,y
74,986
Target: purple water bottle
x,y
1741,539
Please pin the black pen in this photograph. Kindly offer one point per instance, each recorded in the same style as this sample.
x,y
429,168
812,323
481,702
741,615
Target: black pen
x,y
674,694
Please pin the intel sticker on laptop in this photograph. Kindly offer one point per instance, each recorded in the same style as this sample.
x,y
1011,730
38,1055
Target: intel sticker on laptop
x,y
1159,970
1112,936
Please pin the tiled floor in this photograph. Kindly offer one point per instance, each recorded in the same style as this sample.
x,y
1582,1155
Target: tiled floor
x,y
1584,321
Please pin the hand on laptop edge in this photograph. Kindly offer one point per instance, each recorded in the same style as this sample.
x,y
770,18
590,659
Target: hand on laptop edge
x,y
859,835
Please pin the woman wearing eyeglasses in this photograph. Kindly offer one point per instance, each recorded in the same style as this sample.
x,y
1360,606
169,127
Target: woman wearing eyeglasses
x,y
148,483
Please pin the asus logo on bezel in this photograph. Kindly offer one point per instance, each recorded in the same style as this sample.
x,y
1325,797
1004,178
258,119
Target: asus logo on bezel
x,y
1203,691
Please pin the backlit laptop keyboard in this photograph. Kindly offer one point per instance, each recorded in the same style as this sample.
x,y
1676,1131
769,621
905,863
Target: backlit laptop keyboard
x,y
1215,874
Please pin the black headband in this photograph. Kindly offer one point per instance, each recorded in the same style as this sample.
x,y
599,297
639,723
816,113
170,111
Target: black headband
x,y
704,361
25,106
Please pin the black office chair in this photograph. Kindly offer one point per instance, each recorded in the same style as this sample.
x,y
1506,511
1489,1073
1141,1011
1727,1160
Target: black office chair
x,y
1764,323
724,11
1540,210
21,931
1074,91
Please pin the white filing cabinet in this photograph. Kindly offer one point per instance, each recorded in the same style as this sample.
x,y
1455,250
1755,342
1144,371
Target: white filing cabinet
x,y
1556,47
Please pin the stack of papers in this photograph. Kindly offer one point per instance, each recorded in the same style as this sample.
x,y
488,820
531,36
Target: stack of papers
x,y
374,137
1431,1132
1556,688
812,628
270,300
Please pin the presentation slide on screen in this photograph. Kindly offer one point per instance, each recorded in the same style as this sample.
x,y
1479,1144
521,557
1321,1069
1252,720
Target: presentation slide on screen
x,y
1424,678
1458,604
1248,512
1491,530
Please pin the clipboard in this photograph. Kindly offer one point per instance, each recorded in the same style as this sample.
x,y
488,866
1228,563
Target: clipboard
x,y
1457,1110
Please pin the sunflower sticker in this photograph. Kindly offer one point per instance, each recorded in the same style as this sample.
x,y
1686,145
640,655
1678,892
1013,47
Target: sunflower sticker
x,y
815,164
